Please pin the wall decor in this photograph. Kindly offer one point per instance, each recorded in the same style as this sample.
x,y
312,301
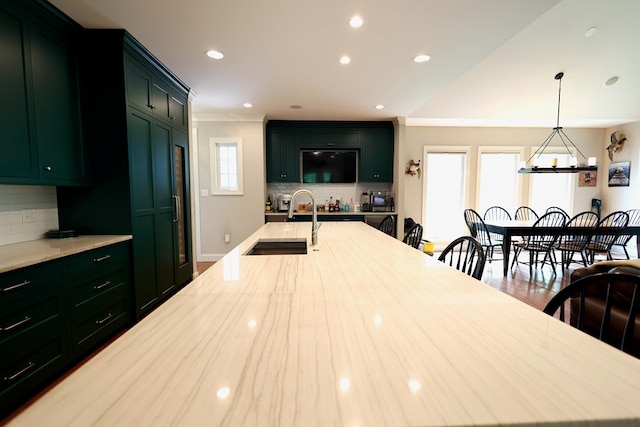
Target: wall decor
x,y
587,179
619,174
617,142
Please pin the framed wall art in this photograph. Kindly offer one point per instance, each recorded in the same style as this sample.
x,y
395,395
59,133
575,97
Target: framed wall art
x,y
619,174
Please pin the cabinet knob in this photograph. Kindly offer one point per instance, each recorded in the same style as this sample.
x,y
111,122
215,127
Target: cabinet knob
x,y
172,117
47,168
151,106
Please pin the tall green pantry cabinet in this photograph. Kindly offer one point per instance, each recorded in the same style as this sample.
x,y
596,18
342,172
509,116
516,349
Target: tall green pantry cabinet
x,y
135,116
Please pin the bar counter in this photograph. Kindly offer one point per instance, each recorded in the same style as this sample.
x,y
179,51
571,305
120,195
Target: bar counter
x,y
361,331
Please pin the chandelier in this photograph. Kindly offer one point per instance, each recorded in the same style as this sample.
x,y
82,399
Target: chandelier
x,y
589,165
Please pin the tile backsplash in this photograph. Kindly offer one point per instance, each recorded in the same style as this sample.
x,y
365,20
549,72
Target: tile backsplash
x,y
322,192
27,212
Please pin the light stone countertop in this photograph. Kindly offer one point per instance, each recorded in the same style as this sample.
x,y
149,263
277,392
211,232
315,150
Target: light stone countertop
x,y
365,331
25,254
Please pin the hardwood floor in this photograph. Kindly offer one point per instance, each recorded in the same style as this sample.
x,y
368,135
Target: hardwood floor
x,y
535,290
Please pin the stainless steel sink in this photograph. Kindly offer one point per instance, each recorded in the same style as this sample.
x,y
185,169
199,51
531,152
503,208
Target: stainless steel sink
x,y
279,247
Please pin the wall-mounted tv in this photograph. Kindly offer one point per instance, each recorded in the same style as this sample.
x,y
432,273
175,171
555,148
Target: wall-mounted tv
x,y
329,166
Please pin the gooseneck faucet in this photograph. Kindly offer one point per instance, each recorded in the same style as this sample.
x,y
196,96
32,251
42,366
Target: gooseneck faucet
x,y
314,225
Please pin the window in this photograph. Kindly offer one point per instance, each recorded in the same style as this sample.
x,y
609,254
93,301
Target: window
x,y
226,166
444,193
498,182
540,196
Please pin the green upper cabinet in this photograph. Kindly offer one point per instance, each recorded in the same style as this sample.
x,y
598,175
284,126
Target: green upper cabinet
x,y
19,154
283,155
376,155
151,94
40,112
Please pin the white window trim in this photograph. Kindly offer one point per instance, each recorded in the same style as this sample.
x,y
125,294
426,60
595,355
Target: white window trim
x,y
213,155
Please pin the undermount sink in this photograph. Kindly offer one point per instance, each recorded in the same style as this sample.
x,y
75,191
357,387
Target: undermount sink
x,y
279,247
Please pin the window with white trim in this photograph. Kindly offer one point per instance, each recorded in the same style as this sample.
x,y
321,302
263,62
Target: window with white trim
x,y
226,166
498,182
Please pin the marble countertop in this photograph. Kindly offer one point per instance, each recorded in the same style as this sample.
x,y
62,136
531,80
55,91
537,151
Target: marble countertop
x,y
24,254
361,331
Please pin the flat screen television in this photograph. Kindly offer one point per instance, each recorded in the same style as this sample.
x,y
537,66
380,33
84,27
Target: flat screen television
x,y
329,166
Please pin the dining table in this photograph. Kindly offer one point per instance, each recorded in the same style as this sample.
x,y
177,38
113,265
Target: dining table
x,y
512,228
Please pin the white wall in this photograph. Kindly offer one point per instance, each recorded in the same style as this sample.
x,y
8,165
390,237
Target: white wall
x,y
27,212
622,198
239,215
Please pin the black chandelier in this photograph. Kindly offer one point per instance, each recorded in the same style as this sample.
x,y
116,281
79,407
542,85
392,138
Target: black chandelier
x,y
589,165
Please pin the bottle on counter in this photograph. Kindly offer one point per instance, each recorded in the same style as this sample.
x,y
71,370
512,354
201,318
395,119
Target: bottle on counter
x,y
267,205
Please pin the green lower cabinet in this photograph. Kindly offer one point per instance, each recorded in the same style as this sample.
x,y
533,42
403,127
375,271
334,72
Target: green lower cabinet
x,y
54,313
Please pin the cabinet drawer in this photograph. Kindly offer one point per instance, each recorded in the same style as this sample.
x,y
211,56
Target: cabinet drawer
x,y
25,319
18,285
98,319
96,261
27,364
84,291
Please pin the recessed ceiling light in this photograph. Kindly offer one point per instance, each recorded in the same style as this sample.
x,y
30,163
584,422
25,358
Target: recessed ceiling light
x,y
611,81
356,22
295,107
591,31
421,58
214,54
379,107
345,60
247,105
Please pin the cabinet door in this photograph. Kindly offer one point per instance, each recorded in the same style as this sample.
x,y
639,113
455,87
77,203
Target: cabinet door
x,y
138,86
60,150
19,155
184,257
140,131
283,156
178,111
164,198
376,156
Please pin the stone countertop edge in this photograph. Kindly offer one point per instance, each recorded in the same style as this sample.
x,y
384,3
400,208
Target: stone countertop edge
x,y
25,254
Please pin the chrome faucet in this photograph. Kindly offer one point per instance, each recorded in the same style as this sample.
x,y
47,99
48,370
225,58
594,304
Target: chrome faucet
x,y
314,225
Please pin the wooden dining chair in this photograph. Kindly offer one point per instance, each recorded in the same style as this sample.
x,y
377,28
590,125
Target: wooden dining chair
x,y
597,308
558,209
569,244
525,213
623,239
388,225
540,242
413,237
615,223
465,254
497,213
478,230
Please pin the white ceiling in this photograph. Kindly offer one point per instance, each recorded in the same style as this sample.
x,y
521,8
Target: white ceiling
x,y
492,63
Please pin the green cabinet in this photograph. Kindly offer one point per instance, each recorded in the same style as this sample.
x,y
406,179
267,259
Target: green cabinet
x,y
283,155
373,140
53,313
40,114
34,344
376,156
140,164
152,95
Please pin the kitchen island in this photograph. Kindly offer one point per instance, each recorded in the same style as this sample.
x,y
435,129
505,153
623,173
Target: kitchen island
x,y
362,330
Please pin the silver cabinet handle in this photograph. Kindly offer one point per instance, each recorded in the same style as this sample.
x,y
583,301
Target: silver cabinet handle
x,y
102,258
16,286
177,205
105,284
48,168
106,319
20,372
15,325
